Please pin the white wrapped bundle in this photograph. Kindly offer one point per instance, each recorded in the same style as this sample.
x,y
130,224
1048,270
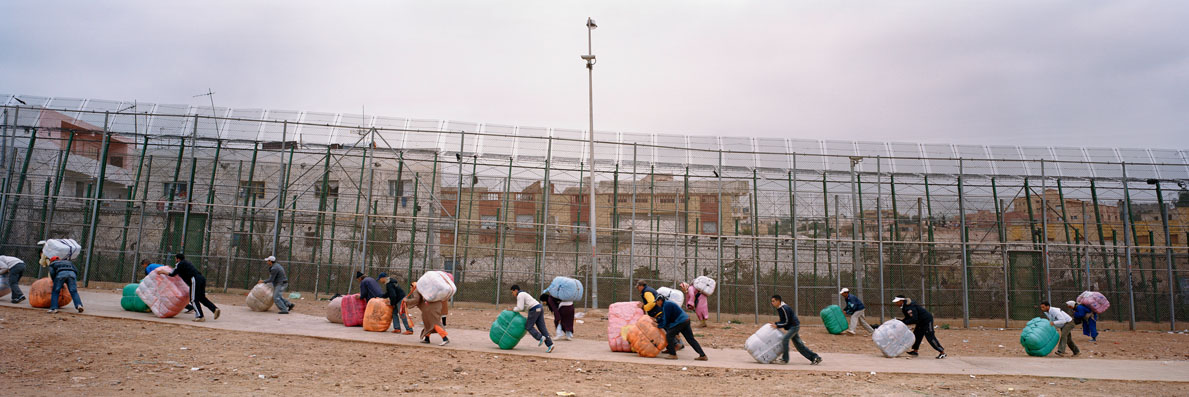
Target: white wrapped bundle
x,y
671,294
764,345
705,285
62,248
436,286
565,288
260,298
893,338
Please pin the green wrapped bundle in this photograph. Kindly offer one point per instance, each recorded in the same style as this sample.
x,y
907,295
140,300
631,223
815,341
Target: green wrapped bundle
x,y
131,302
1039,337
834,319
508,329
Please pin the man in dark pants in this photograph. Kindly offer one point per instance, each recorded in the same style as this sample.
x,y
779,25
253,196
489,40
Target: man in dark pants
x,y
792,328
536,317
193,278
14,268
279,281
674,321
915,314
396,295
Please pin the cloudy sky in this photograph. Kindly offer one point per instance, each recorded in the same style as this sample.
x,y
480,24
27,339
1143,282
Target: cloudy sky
x,y
1084,73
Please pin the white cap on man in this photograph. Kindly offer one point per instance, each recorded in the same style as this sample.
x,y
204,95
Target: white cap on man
x,y
844,290
270,258
898,298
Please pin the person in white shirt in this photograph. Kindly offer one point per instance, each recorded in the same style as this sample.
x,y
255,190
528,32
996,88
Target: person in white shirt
x,y
1062,322
536,317
13,268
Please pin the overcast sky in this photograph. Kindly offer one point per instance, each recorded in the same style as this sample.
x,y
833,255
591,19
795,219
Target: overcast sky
x,y
1067,73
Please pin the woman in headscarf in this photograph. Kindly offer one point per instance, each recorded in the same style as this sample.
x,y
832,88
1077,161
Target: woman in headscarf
x,y
696,301
431,316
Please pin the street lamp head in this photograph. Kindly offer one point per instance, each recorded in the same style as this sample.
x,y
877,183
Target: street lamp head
x,y
588,57
590,24
1153,181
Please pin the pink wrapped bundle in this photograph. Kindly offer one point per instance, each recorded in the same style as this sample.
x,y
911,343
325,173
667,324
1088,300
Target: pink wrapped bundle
x,y
166,296
1095,300
619,315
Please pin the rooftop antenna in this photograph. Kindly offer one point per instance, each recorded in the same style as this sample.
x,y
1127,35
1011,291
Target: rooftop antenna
x,y
211,94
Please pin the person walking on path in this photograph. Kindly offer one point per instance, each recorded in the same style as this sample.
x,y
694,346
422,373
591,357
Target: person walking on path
x,y
674,321
62,271
14,268
1083,315
696,301
915,314
536,317
1063,323
197,283
396,296
431,314
279,281
563,315
368,287
792,327
856,311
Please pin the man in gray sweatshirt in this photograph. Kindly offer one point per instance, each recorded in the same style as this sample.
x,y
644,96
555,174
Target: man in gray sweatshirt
x,y
276,277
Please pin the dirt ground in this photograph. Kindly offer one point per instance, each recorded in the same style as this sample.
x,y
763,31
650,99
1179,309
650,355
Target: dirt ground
x,y
69,353
989,341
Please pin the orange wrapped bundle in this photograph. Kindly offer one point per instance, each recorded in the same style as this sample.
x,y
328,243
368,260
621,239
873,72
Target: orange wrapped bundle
x,y
378,315
646,339
39,294
620,314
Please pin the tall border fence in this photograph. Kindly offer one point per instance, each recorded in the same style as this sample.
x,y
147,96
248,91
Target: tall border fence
x,y
974,232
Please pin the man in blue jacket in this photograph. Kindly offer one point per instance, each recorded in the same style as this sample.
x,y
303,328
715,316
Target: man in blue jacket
x,y
1083,315
674,321
792,327
855,309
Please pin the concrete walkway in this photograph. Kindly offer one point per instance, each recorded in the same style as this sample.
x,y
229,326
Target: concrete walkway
x,y
239,318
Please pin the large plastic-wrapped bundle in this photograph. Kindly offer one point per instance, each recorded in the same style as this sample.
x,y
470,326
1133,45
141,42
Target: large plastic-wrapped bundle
x,y
39,294
130,302
1039,337
508,329
646,339
620,314
565,288
893,338
378,315
704,284
671,294
4,288
62,248
166,296
765,344
334,310
353,308
260,297
834,319
1095,300
436,286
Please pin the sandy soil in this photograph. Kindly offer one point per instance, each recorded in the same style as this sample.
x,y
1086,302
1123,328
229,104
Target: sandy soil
x,y
103,356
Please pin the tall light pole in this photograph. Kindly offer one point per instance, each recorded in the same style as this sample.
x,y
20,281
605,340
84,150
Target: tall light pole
x,y
594,262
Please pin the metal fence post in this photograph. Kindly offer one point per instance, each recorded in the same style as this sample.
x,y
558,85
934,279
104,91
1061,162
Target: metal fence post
x,y
965,250
1127,244
793,233
95,205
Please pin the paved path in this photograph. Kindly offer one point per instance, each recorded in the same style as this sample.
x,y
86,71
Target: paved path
x,y
239,318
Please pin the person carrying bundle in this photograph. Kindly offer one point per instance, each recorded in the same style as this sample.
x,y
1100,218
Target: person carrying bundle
x,y
855,309
1083,315
62,271
1063,323
279,281
396,295
915,314
563,315
695,300
431,314
674,321
536,317
14,268
197,283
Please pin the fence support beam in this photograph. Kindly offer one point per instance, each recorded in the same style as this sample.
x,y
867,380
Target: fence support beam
x,y
95,205
965,249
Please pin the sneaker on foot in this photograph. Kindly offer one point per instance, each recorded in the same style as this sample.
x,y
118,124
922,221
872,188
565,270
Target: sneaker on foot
x,y
670,356
851,333
701,358
540,342
1075,354
80,309
425,341
569,336
199,319
408,332
447,342
283,313
216,314
52,311
550,349
188,311
1062,354
816,360
779,361
913,353
941,356
292,305
396,331
22,299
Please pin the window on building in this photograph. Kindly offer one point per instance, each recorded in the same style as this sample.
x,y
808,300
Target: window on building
x,y
525,220
399,188
332,188
710,227
251,189
641,200
526,197
178,188
488,222
80,189
490,197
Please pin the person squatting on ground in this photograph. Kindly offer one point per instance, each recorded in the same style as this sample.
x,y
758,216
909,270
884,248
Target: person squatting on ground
x,y
856,311
14,268
279,281
674,321
536,317
431,314
563,315
792,327
1064,324
696,301
197,283
62,271
915,314
396,296
1083,315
